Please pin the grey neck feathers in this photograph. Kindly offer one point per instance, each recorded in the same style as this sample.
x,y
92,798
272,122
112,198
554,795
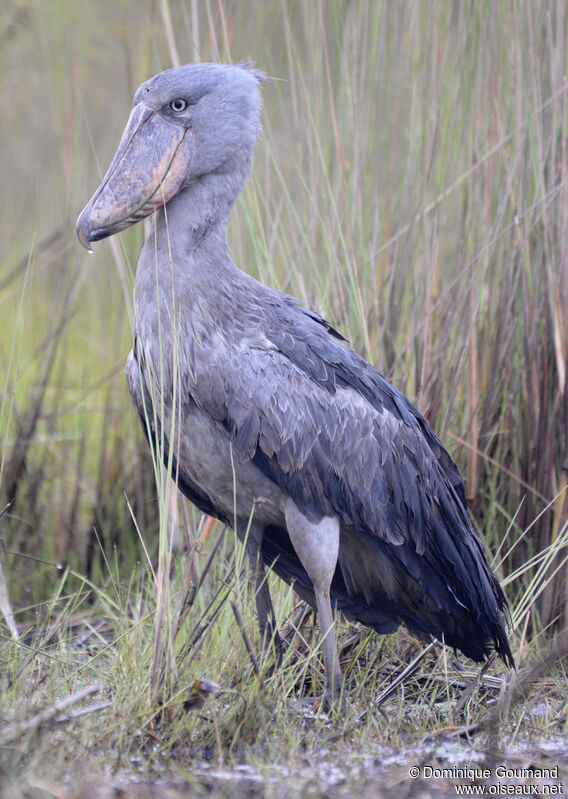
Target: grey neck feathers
x,y
200,209
186,255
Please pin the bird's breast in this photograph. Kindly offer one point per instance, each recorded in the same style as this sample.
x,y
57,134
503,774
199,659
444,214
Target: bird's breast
x,y
204,452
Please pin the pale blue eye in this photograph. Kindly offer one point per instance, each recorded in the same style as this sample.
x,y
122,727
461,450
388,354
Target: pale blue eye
x,y
178,105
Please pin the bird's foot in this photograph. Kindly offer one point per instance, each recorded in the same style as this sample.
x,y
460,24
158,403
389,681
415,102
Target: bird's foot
x,y
332,701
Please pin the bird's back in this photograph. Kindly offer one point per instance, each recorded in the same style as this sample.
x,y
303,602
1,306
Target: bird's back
x,y
408,552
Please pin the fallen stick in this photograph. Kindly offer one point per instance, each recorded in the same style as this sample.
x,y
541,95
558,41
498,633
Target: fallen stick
x,y
14,730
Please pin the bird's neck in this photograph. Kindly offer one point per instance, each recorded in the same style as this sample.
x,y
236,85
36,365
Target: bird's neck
x,y
195,214
186,255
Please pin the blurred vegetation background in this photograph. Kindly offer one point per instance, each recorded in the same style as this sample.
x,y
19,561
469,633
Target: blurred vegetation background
x,y
410,184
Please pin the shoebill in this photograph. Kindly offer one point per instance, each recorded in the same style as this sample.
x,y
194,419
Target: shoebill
x,y
270,421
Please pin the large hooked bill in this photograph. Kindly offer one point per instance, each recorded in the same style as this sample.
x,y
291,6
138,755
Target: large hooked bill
x,y
148,169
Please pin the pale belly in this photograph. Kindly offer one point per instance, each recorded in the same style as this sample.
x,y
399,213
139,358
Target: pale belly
x,y
203,450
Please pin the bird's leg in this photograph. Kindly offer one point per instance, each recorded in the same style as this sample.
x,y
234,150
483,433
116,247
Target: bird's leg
x,y
317,546
333,676
264,609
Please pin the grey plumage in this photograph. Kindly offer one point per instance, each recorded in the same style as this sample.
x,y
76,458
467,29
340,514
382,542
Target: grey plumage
x,y
267,401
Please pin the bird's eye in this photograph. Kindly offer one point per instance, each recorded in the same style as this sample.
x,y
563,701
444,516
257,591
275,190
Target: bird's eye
x,y
178,105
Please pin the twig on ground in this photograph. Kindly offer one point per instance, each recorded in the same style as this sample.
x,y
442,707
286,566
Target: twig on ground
x,y
13,731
